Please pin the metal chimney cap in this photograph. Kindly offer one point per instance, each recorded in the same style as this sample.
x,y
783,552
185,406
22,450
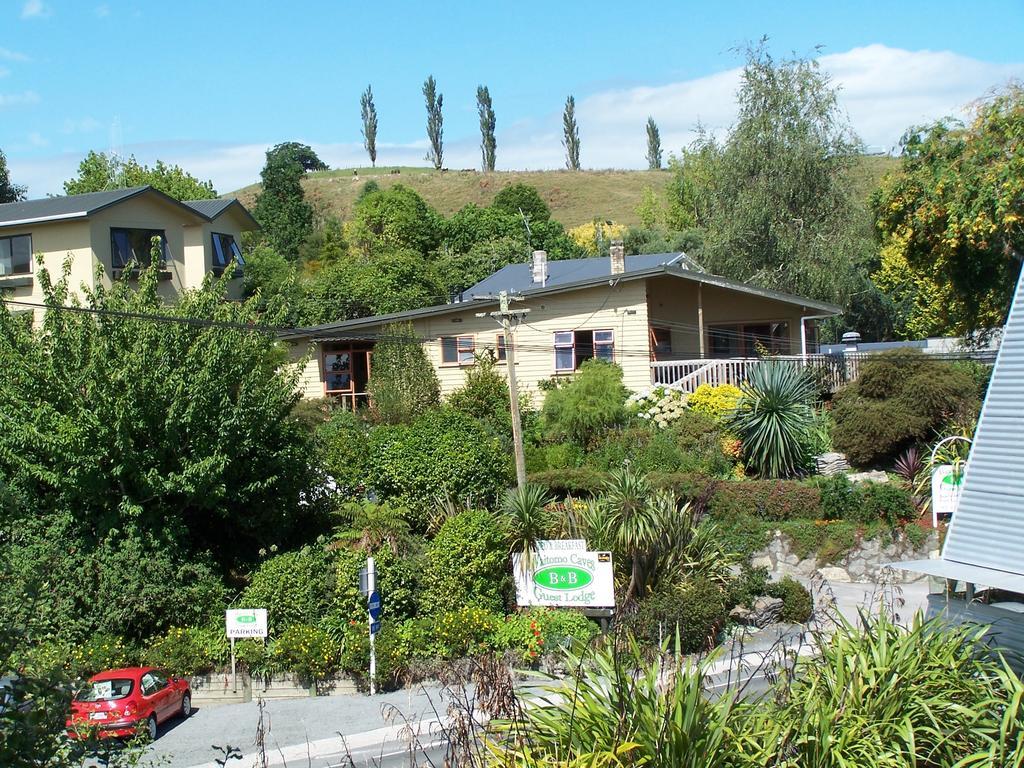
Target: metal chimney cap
x,y
851,337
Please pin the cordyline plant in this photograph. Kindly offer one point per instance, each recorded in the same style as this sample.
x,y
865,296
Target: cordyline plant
x,y
773,418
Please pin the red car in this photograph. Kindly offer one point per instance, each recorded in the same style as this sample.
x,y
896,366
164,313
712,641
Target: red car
x,y
121,702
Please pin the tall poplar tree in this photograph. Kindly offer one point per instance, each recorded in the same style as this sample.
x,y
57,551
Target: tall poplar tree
x,y
653,145
571,131
369,111
488,144
435,122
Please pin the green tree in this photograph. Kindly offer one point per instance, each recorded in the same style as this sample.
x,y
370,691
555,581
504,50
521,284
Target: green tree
x,y
302,154
391,218
369,114
403,384
273,284
9,192
775,199
519,197
950,221
393,281
281,207
467,565
488,144
571,135
435,122
99,171
653,145
172,420
594,400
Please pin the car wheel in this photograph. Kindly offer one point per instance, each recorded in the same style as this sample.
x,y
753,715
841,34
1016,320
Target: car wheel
x,y
151,727
186,705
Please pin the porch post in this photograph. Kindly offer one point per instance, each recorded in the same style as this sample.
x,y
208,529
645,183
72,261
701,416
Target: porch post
x,y
803,340
700,318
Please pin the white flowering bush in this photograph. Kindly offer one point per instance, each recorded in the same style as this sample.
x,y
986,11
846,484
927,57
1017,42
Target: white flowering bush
x,y
660,405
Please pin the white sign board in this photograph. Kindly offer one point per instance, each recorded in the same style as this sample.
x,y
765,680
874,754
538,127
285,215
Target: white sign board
x,y
245,622
565,577
947,481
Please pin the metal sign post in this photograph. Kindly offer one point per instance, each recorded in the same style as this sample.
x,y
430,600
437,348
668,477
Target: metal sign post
x,y
245,622
372,600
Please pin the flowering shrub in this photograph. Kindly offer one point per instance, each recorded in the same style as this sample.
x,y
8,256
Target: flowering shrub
x,y
187,650
96,654
660,405
463,632
307,651
585,235
530,634
717,402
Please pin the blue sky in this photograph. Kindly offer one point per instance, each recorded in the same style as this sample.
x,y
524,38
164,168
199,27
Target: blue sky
x,y
211,85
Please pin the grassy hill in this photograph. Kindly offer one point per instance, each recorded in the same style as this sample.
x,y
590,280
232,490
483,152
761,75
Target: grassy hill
x,y
575,197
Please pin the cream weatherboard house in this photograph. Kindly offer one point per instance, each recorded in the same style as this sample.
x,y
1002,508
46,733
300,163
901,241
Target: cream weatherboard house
x,y
659,317
114,230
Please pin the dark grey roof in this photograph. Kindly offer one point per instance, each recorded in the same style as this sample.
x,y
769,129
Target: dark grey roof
x,y
577,275
82,206
211,209
67,207
517,278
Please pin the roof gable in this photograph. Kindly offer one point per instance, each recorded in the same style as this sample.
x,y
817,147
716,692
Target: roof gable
x,y
213,209
70,207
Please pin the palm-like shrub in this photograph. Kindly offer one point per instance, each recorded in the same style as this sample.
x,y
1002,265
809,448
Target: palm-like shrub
x,y
620,705
524,510
773,418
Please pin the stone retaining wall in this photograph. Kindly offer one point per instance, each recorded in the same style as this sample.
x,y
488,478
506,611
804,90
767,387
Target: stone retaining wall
x,y
861,565
219,688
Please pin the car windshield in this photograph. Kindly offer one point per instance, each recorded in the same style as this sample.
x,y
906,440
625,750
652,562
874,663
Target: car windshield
x,y
106,690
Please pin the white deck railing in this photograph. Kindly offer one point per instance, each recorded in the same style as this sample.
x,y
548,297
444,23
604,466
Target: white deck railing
x,y
686,375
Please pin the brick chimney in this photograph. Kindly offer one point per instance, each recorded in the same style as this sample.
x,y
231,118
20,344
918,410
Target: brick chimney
x,y
539,271
617,252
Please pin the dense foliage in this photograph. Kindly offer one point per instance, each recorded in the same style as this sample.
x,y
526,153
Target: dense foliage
x,y
281,209
774,200
950,221
99,171
143,433
593,400
403,384
9,191
901,397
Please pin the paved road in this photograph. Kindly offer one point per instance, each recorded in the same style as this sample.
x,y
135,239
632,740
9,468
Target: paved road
x,y
325,732
307,732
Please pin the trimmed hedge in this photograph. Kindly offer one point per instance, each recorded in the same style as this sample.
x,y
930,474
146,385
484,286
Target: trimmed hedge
x,y
774,500
582,481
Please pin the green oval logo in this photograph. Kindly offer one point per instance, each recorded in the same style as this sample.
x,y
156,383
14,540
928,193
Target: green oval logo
x,y
562,577
245,619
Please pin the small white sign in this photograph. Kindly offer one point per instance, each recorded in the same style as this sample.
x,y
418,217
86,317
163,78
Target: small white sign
x,y
565,577
245,622
947,481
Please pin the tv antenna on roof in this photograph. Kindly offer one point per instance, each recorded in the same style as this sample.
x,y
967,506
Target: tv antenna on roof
x,y
529,233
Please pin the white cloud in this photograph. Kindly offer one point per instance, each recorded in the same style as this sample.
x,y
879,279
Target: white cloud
x,y
884,90
35,9
4,71
37,139
83,125
102,11
15,99
9,55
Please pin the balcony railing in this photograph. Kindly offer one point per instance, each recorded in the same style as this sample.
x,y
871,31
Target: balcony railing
x,y
831,371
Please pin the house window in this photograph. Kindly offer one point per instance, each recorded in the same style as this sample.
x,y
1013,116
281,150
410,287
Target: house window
x,y
749,339
347,372
457,350
225,250
136,245
499,349
15,255
661,343
572,348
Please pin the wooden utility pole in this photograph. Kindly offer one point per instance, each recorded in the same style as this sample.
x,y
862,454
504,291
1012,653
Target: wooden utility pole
x,y
506,317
